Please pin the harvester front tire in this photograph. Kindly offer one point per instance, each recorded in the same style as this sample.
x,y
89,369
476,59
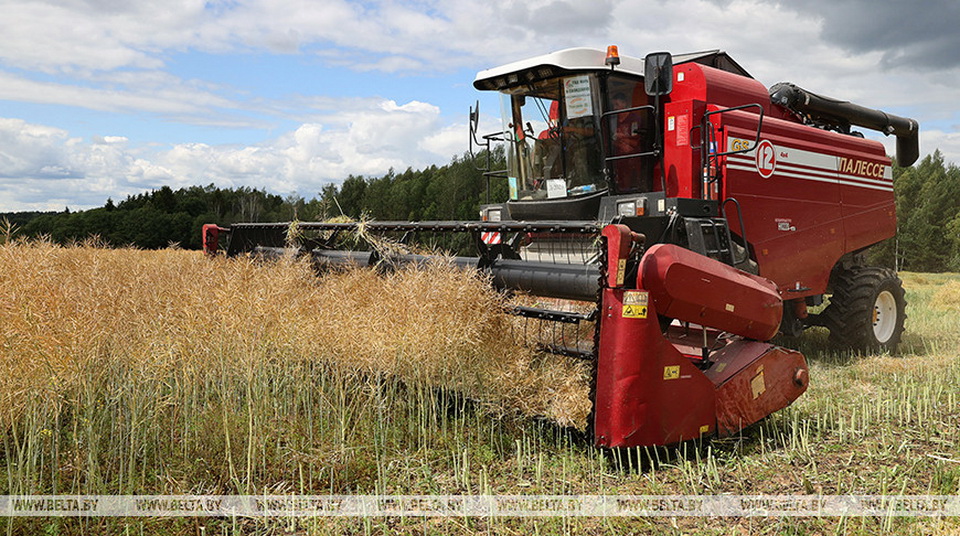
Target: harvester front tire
x,y
867,310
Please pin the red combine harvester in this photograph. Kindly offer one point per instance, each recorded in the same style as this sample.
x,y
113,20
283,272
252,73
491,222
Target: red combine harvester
x,y
696,213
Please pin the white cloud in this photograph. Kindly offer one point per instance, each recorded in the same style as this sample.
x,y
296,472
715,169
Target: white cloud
x,y
97,36
113,57
181,99
947,142
115,53
42,167
449,140
27,149
89,37
85,36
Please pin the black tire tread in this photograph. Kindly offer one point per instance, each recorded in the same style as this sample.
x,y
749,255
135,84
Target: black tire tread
x,y
848,316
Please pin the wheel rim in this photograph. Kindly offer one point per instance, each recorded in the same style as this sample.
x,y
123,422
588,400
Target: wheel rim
x,y
884,316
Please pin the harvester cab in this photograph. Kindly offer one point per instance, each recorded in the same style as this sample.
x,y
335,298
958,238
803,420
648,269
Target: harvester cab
x,y
574,132
679,216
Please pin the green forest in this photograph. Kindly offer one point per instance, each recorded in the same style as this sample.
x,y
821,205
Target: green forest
x,y
927,195
166,217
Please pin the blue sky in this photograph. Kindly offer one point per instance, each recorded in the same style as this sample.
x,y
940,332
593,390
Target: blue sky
x,y
105,98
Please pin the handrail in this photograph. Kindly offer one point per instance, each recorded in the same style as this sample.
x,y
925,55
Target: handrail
x,y
743,230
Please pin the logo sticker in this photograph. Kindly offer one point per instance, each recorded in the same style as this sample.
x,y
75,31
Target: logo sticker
x,y
766,159
785,224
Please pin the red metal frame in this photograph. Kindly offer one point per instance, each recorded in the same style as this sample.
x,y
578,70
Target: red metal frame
x,y
829,193
649,390
211,237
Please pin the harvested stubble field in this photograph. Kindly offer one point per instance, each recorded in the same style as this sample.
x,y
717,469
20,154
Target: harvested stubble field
x,y
162,372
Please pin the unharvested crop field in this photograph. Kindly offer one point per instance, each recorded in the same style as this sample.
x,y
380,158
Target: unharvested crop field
x,y
163,372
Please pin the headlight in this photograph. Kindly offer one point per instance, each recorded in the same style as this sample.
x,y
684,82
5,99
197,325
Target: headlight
x,y
493,215
633,207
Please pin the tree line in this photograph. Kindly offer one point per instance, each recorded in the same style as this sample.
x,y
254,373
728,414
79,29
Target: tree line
x,y
927,197
928,218
165,217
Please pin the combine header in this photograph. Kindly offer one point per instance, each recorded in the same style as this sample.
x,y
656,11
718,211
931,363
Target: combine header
x,y
681,213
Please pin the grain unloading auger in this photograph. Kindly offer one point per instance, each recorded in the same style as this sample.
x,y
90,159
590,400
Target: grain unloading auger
x,y
696,214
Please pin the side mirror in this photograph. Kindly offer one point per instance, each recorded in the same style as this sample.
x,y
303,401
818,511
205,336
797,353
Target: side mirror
x,y
474,116
658,73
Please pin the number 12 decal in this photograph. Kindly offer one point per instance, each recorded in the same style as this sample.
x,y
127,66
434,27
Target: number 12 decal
x,y
766,158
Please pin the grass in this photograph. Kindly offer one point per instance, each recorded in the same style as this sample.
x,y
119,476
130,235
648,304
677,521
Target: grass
x,y
161,372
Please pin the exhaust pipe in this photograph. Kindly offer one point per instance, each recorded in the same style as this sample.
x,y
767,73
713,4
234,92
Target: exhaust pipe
x,y
842,114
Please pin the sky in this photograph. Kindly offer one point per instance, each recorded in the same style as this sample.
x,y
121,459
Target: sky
x,y
108,98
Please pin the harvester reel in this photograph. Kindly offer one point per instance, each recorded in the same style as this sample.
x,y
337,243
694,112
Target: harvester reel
x,y
867,309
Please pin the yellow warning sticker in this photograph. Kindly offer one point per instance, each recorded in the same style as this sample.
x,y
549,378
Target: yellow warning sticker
x,y
621,270
635,304
671,373
705,428
758,385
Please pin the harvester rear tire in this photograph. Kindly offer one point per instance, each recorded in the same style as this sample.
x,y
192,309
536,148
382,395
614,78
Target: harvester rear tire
x,y
867,310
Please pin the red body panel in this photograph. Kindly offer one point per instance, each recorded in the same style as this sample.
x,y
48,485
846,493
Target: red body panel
x,y
650,393
211,237
692,81
693,288
620,240
807,213
647,392
681,160
821,194
753,380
